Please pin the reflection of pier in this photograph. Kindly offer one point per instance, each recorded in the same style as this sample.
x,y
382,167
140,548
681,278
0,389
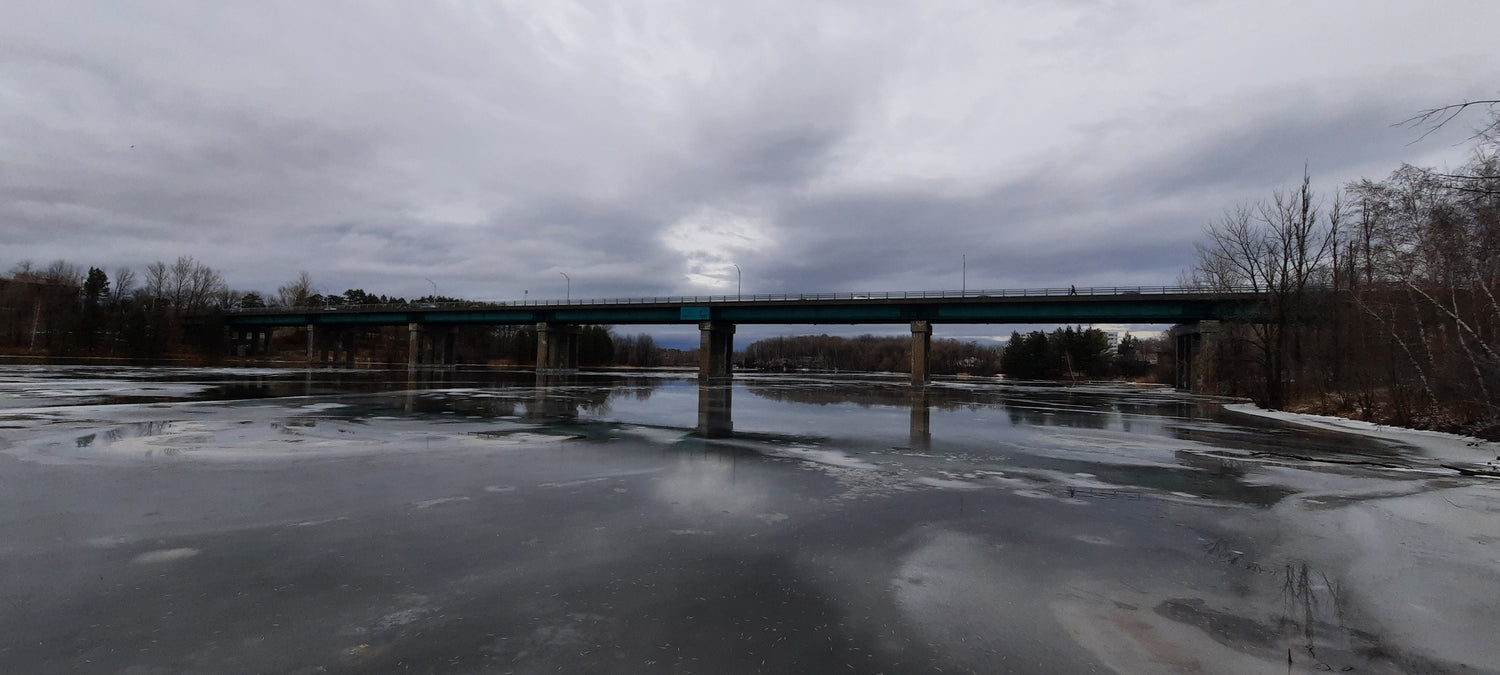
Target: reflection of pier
x,y
921,419
549,395
551,400
715,409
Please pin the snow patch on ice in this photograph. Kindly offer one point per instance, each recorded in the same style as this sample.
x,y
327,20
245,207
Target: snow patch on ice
x,y
1436,444
429,503
164,555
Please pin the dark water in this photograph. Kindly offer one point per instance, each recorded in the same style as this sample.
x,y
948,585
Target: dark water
x,y
179,520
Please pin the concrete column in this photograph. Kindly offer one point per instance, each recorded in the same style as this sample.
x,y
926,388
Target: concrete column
x,y
921,345
1181,364
450,346
312,343
544,335
1191,372
265,341
715,349
557,346
351,344
413,345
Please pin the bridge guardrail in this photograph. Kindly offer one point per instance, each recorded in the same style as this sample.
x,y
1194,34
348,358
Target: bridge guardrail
x,y
1091,291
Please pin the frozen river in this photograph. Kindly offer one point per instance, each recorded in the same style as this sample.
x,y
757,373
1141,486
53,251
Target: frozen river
x,y
241,521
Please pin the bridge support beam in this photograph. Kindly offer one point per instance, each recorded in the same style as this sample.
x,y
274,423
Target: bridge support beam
x,y
428,347
1192,371
557,346
921,346
414,345
249,341
715,349
312,343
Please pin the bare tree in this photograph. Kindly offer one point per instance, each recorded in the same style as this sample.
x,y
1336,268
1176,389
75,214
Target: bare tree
x,y
23,271
124,284
296,292
1281,249
1436,248
156,283
63,273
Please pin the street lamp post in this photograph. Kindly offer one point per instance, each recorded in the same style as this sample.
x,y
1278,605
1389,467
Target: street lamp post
x,y
434,288
738,279
569,295
965,281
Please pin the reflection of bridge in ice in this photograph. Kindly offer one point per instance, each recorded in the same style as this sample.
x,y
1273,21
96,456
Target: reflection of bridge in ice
x,y
565,396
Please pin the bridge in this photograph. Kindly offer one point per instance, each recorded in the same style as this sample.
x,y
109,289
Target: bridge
x,y
330,329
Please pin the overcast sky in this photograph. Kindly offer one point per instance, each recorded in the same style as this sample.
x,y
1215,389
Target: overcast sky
x,y
643,148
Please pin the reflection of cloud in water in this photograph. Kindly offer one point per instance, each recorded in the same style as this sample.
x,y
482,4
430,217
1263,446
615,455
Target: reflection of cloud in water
x,y
959,590
256,434
710,484
1423,566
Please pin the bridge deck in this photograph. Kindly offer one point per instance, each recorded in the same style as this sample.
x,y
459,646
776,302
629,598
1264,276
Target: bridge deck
x,y
1156,304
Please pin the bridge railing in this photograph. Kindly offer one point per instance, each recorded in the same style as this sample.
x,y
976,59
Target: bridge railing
x,y
1080,292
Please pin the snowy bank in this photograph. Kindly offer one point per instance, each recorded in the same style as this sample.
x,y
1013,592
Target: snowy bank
x,y
1444,447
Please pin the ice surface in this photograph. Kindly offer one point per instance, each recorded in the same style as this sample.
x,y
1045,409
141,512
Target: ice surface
x,y
992,527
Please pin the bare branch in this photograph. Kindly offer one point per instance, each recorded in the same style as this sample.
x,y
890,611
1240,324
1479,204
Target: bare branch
x,y
1436,118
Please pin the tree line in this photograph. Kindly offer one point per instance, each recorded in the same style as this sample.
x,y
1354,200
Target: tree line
x,y
1073,352
865,353
63,309
1382,299
66,310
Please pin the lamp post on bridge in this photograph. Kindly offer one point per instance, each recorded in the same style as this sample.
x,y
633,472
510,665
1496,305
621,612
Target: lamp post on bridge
x,y
738,279
568,296
964,288
434,288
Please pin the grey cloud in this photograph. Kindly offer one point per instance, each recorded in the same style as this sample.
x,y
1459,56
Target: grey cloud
x,y
489,148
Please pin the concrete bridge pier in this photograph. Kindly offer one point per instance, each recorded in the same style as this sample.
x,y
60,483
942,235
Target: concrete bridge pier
x,y
921,347
328,346
312,344
1192,373
426,347
333,345
413,345
715,349
557,346
349,344
445,347
249,341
